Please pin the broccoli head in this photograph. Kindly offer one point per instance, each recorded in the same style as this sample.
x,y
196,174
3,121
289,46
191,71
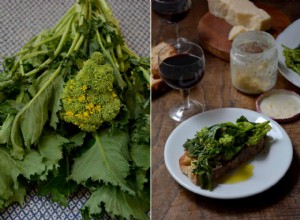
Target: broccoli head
x,y
89,98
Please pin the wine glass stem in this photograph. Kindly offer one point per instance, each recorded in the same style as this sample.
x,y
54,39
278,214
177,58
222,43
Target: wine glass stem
x,y
185,98
177,30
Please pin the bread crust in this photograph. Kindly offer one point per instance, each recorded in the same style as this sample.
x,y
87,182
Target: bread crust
x,y
247,153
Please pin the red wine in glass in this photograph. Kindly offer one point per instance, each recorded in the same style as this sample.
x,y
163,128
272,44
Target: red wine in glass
x,y
172,11
183,71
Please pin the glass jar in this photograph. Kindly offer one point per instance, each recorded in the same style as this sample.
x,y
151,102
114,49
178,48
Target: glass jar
x,y
253,62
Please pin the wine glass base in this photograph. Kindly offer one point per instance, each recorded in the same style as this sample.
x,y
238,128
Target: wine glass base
x,y
181,113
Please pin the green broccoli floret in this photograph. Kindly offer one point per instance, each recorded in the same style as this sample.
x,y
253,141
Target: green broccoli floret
x,y
89,99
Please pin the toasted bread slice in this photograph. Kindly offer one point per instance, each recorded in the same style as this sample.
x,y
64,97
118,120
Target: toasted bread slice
x,y
186,166
247,153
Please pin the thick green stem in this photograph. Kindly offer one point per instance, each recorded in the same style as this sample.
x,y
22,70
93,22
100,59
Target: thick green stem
x,y
106,53
119,51
146,74
85,13
36,45
122,66
65,18
102,4
129,51
34,54
74,43
21,67
29,42
46,41
108,38
16,65
57,51
79,43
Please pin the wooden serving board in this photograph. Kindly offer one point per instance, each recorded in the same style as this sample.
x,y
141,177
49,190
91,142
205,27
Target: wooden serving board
x,y
213,31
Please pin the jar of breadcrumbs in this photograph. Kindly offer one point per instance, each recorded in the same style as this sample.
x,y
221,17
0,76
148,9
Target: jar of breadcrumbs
x,y
253,62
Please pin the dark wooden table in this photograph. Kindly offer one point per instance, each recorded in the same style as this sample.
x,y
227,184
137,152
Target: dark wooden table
x,y
169,199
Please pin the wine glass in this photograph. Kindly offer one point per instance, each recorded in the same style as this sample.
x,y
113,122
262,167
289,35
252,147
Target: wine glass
x,y
172,11
183,71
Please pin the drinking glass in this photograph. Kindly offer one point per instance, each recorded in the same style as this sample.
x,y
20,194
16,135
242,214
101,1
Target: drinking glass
x,y
183,71
172,11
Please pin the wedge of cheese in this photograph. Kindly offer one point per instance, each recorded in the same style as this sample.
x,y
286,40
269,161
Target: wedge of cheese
x,y
244,12
240,13
236,30
219,8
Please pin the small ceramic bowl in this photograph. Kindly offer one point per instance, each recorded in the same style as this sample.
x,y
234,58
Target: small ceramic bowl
x,y
279,104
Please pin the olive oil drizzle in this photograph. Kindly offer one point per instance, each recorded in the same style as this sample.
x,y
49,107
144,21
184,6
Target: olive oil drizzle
x,y
241,174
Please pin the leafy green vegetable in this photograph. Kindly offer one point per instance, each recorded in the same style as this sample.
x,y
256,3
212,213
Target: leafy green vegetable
x,y
212,146
116,203
292,58
38,147
139,143
104,161
51,156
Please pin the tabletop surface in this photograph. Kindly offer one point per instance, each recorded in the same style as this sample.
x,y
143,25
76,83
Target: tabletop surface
x,y
172,201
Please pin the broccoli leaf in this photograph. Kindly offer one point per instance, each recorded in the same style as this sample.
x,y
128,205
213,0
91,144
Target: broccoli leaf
x,y
140,142
9,167
11,189
141,155
50,147
9,194
117,203
29,122
5,129
32,164
139,180
76,140
55,105
57,184
104,160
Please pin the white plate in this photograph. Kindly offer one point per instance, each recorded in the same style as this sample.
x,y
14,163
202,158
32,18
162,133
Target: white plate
x,y
269,168
290,38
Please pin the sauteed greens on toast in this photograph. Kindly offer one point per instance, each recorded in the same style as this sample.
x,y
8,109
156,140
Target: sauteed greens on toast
x,y
214,146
